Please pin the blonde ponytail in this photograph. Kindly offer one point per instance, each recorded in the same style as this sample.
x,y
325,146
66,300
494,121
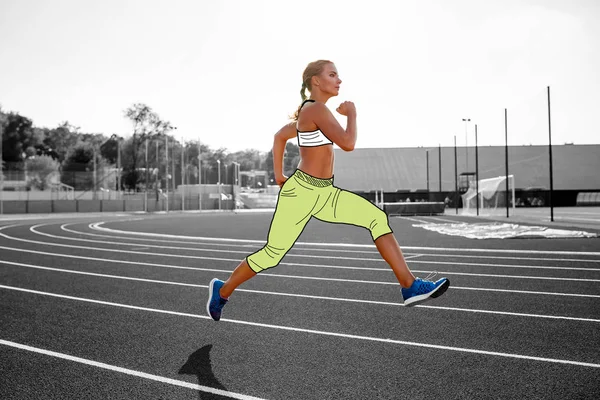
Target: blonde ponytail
x,y
303,91
303,96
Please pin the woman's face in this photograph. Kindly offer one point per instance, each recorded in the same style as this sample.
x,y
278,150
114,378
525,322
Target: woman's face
x,y
328,81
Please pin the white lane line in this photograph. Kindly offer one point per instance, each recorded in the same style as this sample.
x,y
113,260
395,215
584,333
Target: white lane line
x,y
591,296
413,219
550,278
96,226
317,332
112,250
578,219
144,239
270,274
127,371
517,266
381,260
454,221
378,303
9,226
425,248
34,230
300,249
479,256
579,213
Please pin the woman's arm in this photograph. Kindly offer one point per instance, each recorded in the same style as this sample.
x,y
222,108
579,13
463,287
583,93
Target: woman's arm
x,y
281,137
324,119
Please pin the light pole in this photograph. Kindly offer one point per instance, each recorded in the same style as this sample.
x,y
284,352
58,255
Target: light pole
x,y
94,173
173,180
455,176
155,137
466,121
182,175
199,175
476,171
167,170
235,182
236,173
146,174
427,157
219,181
550,158
119,167
1,170
506,155
440,166
157,169
167,163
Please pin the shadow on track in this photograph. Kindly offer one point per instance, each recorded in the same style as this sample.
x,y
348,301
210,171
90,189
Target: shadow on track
x,y
198,364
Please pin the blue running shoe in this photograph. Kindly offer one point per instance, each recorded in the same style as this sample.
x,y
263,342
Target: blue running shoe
x,y
423,290
215,303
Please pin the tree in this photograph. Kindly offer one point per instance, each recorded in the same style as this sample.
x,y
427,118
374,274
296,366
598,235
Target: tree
x,y
42,149
291,158
40,170
192,157
95,139
269,166
210,165
110,148
18,140
78,167
147,125
130,167
249,159
59,140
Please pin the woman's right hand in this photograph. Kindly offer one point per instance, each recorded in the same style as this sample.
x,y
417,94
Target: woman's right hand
x,y
347,108
281,180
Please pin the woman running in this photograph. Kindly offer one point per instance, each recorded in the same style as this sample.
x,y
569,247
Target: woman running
x,y
310,192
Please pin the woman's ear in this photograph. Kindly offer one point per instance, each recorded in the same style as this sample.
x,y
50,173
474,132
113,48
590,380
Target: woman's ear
x,y
315,80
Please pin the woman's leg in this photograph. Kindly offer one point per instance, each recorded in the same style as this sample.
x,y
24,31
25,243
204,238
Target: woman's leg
x,y
349,208
295,205
240,274
390,251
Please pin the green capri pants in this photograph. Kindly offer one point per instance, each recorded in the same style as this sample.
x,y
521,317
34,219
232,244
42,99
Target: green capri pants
x,y
303,196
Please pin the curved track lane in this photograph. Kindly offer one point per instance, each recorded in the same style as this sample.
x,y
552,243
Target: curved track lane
x,y
113,307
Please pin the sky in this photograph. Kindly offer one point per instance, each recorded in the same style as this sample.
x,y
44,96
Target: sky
x,y
229,73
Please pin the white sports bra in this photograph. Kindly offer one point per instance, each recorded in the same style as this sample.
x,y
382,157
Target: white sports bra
x,y
311,138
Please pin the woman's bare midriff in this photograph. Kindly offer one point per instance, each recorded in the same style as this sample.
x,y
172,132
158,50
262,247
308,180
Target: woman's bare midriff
x,y
317,161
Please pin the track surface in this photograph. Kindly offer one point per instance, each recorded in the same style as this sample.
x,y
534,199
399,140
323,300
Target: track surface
x,y
113,307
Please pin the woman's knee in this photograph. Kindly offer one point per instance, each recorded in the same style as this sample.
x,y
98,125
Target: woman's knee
x,y
267,257
379,223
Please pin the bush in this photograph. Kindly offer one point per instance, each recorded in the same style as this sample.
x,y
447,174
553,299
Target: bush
x,y
40,170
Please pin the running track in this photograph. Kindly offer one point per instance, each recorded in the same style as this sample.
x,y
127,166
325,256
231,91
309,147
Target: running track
x,y
113,307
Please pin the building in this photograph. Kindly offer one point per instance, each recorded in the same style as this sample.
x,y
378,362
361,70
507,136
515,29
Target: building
x,y
403,171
